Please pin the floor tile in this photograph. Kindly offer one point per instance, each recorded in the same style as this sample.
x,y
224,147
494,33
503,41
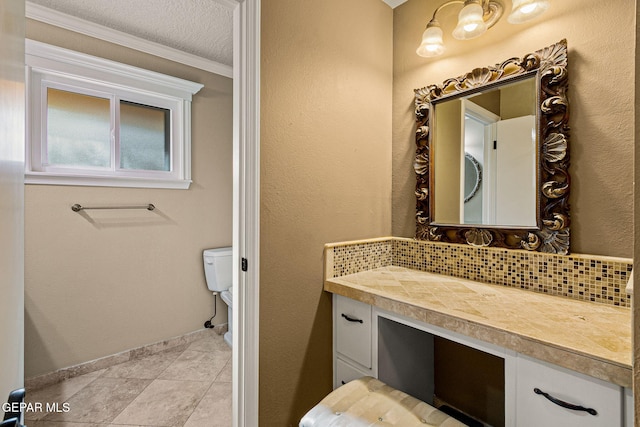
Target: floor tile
x,y
213,343
101,400
225,375
56,393
164,403
148,367
196,366
214,410
170,388
42,423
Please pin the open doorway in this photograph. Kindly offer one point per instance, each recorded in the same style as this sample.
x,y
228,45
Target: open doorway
x,y
245,206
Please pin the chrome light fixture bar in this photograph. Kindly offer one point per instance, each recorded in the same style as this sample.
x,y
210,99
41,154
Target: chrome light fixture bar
x,y
476,17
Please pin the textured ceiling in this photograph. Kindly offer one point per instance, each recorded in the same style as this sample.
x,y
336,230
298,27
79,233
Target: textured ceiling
x,y
200,27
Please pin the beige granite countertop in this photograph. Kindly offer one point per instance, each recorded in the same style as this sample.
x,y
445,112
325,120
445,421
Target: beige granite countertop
x,y
591,338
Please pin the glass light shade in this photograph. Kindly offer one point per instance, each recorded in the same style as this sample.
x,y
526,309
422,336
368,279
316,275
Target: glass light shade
x,y
432,44
525,10
470,22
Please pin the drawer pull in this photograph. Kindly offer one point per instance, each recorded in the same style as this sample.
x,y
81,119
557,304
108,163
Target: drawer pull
x,y
352,319
565,404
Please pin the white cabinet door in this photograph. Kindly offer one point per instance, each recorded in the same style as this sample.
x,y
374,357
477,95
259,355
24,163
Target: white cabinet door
x,y
345,373
533,409
353,330
628,407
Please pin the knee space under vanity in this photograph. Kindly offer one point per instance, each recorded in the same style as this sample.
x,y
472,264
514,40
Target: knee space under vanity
x,y
447,375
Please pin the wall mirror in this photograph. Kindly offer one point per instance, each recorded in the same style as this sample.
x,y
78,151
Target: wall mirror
x,y
492,155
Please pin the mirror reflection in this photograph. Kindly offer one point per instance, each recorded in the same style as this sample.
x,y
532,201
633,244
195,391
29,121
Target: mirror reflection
x,y
493,131
520,107
472,183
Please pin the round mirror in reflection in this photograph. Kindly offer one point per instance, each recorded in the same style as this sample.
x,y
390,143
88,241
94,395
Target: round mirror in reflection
x,y
472,176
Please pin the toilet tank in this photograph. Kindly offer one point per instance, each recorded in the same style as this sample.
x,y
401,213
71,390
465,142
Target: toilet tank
x,y
217,268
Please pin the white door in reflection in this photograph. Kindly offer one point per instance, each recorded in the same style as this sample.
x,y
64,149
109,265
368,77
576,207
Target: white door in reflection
x,y
505,150
515,195
474,141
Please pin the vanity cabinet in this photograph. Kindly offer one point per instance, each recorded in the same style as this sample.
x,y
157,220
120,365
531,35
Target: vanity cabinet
x,y
345,372
594,402
352,340
369,341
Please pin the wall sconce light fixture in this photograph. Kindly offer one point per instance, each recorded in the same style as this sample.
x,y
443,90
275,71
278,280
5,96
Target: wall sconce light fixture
x,y
476,17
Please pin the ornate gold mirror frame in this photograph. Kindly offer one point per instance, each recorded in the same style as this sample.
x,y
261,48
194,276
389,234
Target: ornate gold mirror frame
x,y
551,234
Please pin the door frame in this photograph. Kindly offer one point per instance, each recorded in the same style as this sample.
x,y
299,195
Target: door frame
x,y
246,177
12,128
246,211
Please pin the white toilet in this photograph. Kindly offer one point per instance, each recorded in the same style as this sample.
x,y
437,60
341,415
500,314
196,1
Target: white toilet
x,y
217,271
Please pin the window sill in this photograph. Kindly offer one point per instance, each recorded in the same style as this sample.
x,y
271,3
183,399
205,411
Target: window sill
x,y
107,181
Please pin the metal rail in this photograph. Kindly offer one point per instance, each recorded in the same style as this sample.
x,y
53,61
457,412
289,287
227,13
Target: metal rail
x,y
77,207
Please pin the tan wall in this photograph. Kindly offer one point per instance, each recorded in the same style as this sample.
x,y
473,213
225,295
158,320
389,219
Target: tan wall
x,y
325,177
488,100
447,162
636,234
601,70
518,100
130,277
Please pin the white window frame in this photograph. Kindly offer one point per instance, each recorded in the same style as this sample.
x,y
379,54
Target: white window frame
x,y
53,67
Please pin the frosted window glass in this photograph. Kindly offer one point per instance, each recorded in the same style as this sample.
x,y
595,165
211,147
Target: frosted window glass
x,y
144,137
78,129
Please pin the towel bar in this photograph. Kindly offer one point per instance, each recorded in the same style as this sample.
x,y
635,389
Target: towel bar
x,y
78,208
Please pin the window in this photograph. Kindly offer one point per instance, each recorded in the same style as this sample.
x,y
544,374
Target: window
x,y
96,122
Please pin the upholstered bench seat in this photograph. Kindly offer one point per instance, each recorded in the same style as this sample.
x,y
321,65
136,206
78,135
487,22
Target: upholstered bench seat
x,y
370,402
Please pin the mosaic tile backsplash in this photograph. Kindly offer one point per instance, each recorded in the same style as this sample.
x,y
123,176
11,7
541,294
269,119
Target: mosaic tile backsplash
x,y
584,277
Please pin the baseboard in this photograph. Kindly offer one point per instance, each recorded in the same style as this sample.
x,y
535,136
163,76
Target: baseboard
x,y
44,380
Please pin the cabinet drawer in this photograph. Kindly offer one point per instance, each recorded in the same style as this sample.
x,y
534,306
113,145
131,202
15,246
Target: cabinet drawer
x,y
345,373
353,330
534,410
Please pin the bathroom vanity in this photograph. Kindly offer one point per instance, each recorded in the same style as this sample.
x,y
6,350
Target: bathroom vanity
x,y
389,320
486,312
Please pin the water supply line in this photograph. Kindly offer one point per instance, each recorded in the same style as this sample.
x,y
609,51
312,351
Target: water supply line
x,y
208,323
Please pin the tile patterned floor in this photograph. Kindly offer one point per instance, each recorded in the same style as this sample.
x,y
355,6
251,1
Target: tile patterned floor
x,y
184,387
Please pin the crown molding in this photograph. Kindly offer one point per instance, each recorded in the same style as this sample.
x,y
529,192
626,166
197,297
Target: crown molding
x,y
231,4
394,3
78,25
